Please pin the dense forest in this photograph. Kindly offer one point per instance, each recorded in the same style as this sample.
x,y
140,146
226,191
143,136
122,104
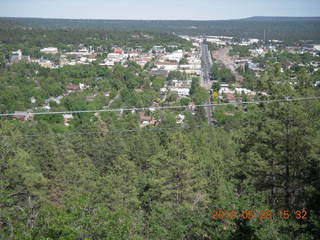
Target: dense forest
x,y
276,28
164,182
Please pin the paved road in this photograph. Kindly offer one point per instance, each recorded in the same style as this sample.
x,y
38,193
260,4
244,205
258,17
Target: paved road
x,y
205,77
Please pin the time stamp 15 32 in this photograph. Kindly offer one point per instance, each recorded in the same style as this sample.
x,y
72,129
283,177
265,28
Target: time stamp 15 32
x,y
263,214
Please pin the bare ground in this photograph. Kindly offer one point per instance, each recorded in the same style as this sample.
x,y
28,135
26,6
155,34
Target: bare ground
x,y
222,56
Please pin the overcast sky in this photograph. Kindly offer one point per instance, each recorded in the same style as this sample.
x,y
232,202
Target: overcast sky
x,y
158,9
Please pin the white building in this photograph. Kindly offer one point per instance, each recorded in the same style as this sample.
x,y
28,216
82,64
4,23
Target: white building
x,y
168,66
316,47
67,118
50,50
227,90
182,92
180,118
175,56
257,52
158,49
33,100
250,41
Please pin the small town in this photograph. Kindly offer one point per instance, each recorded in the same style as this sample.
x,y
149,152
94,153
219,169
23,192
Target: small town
x,y
177,66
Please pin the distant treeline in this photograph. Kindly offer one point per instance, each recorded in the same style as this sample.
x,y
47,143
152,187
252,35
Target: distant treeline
x,y
282,28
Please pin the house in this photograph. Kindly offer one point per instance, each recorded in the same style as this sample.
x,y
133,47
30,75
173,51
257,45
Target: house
x,y
118,51
147,120
46,63
180,118
83,86
191,106
16,57
23,116
73,88
33,100
57,100
245,91
46,107
141,61
67,118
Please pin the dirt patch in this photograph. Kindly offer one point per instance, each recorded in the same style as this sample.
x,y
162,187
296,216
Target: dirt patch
x,y
222,56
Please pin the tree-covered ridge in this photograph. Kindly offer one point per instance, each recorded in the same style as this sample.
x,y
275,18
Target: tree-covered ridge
x,y
31,40
276,28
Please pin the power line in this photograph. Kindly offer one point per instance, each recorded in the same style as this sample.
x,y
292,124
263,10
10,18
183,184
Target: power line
x,y
164,107
149,129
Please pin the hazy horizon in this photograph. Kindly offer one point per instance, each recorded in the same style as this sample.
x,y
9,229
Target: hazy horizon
x,y
120,19
162,10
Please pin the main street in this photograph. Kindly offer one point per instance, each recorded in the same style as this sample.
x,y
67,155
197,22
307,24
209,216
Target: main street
x,y
206,77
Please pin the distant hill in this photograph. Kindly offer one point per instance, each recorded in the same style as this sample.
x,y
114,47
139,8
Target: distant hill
x,y
282,28
282,19
11,24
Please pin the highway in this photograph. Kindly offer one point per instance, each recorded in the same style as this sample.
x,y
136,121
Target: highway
x,y
206,82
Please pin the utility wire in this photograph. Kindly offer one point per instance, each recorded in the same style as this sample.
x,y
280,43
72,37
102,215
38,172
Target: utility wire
x,y
164,107
150,129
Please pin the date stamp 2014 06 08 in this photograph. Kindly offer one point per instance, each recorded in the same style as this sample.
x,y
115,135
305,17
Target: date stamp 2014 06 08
x,y
264,214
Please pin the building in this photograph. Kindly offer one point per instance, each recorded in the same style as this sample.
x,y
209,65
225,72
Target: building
x,y
84,52
168,66
67,119
73,88
181,83
316,47
147,120
33,100
180,118
175,56
159,73
141,61
16,57
191,106
118,51
23,116
46,63
113,58
50,50
182,92
257,52
158,49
